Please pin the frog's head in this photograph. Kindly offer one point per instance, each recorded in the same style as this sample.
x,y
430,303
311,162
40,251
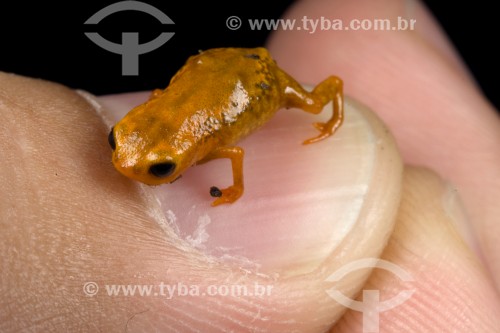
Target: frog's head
x,y
144,149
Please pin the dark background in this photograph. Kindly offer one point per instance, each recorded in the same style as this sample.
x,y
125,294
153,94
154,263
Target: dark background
x,y
47,40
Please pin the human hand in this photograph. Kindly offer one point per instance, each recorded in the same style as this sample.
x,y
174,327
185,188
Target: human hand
x,y
70,218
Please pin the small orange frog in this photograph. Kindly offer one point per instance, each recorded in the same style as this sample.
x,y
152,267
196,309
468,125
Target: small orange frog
x,y
217,98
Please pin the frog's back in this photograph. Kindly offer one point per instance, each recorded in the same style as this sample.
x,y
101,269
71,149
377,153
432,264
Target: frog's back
x,y
226,93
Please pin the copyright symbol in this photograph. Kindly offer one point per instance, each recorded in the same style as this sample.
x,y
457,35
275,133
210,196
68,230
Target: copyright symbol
x,y
90,289
233,22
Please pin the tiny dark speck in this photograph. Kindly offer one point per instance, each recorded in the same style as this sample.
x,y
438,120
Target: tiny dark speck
x,y
264,85
215,192
252,56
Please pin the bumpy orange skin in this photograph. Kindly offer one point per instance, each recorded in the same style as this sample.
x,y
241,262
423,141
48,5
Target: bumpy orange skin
x,y
217,98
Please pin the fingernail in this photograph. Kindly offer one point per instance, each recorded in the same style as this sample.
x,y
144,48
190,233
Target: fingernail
x,y
300,202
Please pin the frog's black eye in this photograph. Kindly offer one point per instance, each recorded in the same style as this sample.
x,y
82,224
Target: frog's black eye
x,y
162,170
111,140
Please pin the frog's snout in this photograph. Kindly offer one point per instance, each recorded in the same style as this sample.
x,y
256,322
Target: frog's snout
x,y
162,170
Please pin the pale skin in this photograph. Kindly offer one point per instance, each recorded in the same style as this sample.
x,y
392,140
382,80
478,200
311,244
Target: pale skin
x,y
47,243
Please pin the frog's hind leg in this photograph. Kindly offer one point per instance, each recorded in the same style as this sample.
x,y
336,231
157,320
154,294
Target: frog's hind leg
x,y
313,102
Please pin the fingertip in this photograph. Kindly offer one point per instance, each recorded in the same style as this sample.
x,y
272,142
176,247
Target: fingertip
x,y
418,85
450,289
344,29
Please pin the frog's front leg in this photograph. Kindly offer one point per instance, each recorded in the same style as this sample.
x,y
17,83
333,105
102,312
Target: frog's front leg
x,y
233,192
313,102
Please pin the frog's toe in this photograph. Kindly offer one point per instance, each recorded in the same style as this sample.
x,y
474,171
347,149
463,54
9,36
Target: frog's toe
x,y
326,129
320,126
227,195
320,137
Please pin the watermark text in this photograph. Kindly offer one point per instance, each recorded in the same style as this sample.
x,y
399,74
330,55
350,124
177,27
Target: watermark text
x,y
179,289
312,25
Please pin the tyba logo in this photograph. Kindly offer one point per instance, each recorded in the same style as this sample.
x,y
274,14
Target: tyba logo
x,y
371,306
130,49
